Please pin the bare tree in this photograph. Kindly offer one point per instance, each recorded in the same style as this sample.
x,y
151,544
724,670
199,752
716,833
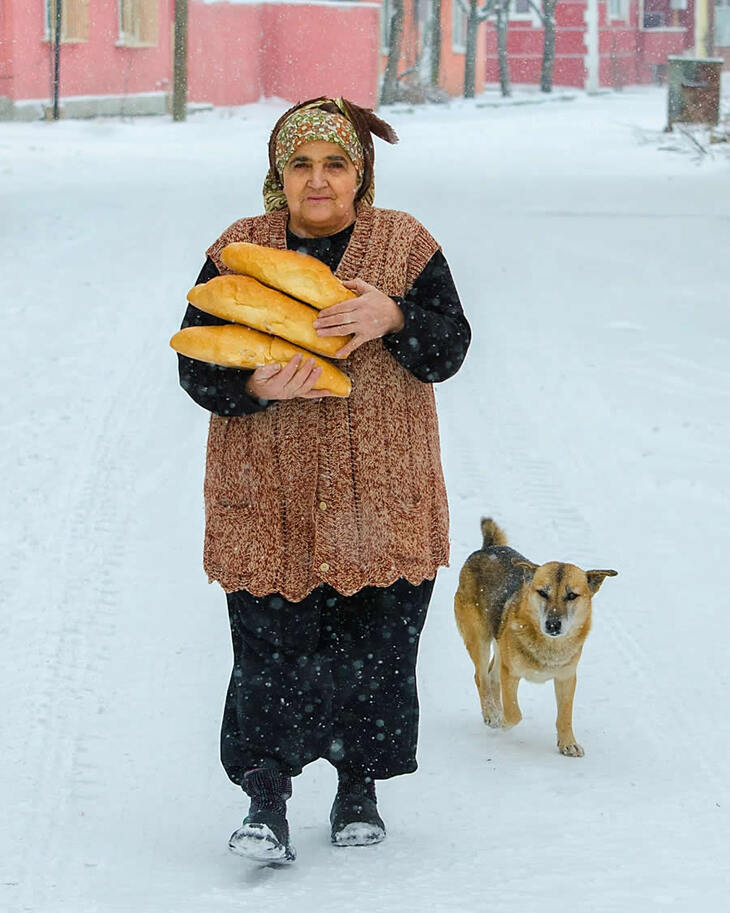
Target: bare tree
x,y
389,91
180,61
499,9
547,17
435,42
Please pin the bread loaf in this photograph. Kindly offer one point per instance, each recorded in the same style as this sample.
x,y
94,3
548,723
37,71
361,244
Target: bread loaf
x,y
240,347
299,275
242,299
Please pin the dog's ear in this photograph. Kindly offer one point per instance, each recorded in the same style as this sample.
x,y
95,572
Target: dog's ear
x,y
528,567
596,578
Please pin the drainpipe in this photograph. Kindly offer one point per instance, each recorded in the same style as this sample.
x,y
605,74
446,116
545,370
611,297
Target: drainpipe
x,y
591,58
57,59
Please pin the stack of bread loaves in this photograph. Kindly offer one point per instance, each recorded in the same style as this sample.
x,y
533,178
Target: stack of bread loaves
x,y
263,297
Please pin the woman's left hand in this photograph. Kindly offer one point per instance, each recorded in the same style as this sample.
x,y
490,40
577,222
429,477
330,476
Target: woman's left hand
x,y
369,316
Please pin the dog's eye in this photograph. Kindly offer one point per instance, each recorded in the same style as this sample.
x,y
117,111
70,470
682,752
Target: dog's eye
x,y
543,593
572,596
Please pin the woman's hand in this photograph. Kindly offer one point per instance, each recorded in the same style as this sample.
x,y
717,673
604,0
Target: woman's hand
x,y
369,316
294,379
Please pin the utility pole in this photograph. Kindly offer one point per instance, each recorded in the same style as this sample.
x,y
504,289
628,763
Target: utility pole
x,y
592,51
180,61
57,59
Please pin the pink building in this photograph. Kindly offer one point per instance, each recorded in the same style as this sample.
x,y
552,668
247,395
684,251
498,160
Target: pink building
x,y
628,44
116,55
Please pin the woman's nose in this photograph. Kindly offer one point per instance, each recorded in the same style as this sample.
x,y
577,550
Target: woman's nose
x,y
317,177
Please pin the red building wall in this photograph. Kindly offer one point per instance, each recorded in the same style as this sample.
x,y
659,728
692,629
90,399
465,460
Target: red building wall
x,y
628,53
237,52
93,67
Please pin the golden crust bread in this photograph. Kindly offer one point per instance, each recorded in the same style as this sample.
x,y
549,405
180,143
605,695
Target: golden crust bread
x,y
242,299
236,346
299,275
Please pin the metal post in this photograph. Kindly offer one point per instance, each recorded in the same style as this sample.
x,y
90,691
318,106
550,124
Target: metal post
x,y
180,62
57,59
592,53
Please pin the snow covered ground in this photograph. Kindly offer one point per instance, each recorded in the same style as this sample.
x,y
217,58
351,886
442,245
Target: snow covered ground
x,y
590,419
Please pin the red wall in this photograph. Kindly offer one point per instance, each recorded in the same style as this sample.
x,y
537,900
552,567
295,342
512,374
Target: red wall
x,y
224,53
321,50
626,51
93,67
311,49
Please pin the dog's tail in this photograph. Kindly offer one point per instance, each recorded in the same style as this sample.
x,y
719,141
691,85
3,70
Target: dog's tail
x,y
493,534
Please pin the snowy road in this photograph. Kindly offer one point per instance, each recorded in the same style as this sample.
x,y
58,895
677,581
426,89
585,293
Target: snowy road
x,y
590,419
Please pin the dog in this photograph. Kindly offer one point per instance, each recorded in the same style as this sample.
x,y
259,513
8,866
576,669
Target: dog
x,y
523,620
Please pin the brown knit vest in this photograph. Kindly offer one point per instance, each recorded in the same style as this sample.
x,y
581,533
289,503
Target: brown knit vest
x,y
344,491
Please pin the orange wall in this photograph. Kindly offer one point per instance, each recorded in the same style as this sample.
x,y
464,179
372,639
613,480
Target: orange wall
x,y
451,69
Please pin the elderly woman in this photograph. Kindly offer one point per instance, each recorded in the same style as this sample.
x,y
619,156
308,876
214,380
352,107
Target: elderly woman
x,y
326,518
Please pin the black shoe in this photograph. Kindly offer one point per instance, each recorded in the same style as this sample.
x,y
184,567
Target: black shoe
x,y
264,835
354,817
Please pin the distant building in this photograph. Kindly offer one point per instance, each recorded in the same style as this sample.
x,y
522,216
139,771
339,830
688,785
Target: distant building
x,y
116,55
629,46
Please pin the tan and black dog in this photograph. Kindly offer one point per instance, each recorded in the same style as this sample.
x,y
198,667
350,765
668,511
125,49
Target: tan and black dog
x,y
523,620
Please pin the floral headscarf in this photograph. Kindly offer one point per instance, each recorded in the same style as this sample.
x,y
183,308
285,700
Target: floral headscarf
x,y
334,121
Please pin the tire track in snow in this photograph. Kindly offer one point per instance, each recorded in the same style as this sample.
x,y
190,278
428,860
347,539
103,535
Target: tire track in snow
x,y
79,643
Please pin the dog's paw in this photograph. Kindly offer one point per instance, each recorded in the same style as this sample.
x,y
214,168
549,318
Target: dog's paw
x,y
509,722
493,719
571,750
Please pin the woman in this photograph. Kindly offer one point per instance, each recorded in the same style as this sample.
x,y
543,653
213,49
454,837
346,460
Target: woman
x,y
326,518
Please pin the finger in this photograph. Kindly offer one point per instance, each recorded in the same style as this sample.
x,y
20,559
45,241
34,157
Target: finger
x,y
304,378
358,285
316,394
350,347
290,368
340,330
267,371
343,307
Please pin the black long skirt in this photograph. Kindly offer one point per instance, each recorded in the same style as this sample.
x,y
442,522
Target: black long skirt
x,y
330,677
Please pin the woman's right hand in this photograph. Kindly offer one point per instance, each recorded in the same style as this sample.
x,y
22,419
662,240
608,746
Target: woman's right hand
x,y
294,379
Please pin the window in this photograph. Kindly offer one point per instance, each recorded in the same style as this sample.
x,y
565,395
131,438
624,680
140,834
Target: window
x,y
618,9
74,20
386,14
459,22
722,23
521,9
138,23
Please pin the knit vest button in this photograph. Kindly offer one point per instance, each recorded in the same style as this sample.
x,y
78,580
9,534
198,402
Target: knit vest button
x,y
322,505
324,567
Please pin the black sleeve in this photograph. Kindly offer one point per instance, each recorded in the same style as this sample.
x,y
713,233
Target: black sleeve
x,y
435,337
217,389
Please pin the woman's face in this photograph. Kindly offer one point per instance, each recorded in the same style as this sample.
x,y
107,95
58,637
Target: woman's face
x,y
320,183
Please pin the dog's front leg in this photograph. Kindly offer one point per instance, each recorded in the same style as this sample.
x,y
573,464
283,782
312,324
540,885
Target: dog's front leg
x,y
510,707
564,694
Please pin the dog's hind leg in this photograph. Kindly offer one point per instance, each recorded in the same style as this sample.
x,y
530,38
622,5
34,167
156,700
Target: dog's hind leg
x,y
476,640
491,701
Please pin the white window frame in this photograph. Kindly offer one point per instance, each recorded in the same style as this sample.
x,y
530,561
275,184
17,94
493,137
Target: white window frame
x,y
131,41
49,32
618,10
386,14
529,16
456,46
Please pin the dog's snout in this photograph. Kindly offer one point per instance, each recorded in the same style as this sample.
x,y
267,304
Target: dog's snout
x,y
552,625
